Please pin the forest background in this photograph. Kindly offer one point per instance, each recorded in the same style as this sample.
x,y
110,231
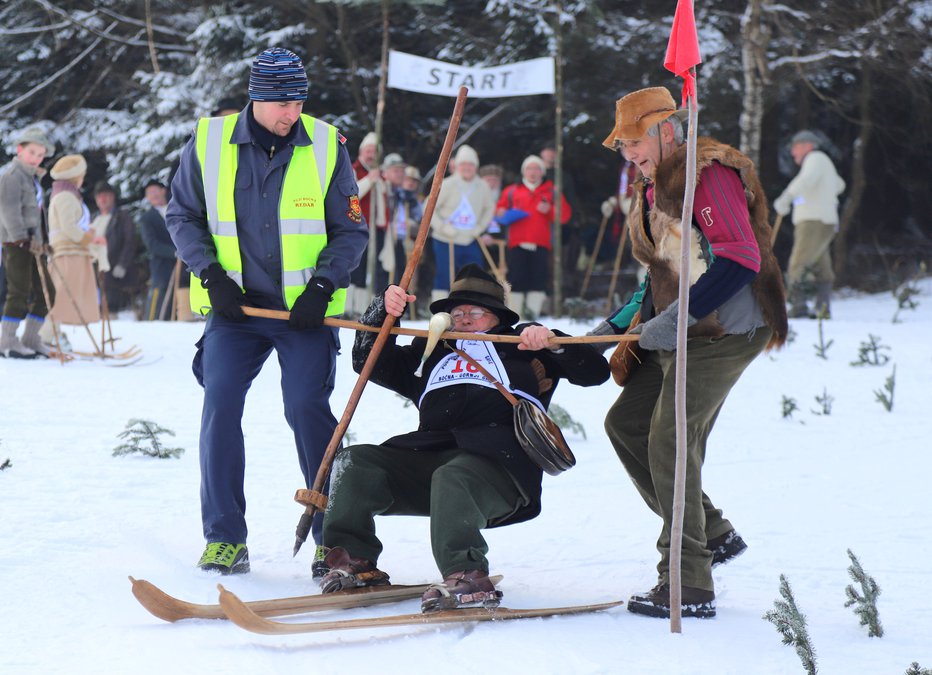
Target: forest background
x,y
124,81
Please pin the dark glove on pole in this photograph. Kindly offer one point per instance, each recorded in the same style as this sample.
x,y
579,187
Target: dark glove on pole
x,y
311,306
226,297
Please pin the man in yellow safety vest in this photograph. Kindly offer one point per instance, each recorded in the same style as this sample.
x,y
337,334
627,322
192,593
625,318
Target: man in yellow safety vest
x,y
264,212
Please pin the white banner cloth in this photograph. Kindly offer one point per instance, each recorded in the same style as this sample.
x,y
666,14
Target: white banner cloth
x,y
416,73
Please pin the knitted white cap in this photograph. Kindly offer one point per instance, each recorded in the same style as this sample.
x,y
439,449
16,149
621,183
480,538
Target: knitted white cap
x,y
466,154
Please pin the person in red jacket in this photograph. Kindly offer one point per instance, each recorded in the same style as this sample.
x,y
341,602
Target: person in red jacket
x,y
527,208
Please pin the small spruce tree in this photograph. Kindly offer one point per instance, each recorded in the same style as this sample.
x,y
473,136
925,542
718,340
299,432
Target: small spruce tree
x,y
914,669
142,436
564,420
885,395
6,464
871,353
822,346
825,403
789,407
865,602
791,624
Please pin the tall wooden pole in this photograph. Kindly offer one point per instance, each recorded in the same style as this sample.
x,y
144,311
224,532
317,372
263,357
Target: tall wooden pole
x,y
679,478
558,169
314,498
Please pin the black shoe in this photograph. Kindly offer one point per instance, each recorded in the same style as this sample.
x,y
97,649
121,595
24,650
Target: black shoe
x,y
726,547
696,602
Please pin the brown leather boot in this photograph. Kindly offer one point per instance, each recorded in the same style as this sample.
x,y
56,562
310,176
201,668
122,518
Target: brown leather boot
x,y
347,572
470,588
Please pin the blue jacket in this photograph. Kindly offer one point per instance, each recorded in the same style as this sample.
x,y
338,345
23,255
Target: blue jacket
x,y
258,192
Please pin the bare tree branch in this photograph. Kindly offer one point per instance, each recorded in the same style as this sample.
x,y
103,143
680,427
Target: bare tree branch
x,y
137,22
48,6
39,87
32,30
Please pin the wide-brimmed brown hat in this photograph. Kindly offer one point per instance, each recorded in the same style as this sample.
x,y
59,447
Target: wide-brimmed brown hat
x,y
639,111
475,286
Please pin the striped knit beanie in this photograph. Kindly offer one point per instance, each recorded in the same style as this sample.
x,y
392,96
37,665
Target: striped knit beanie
x,y
277,75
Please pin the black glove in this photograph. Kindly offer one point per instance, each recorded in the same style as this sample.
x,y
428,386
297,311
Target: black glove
x,y
310,308
226,297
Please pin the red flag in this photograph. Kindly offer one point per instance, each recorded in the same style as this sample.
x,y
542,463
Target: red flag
x,y
683,47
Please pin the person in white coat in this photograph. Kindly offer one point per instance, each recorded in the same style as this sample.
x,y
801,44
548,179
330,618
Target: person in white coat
x,y
813,197
463,213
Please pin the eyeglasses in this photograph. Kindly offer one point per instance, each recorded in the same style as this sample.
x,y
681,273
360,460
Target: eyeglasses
x,y
475,314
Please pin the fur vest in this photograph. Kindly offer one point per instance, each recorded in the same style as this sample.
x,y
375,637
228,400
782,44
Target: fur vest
x,y
655,237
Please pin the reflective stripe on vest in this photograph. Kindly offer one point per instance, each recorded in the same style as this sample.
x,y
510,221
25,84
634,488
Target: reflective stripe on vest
x,y
301,224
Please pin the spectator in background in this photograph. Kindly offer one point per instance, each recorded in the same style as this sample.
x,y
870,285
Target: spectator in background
x,y
71,237
492,174
122,273
570,239
160,247
463,212
373,201
405,215
21,208
530,237
813,197
391,251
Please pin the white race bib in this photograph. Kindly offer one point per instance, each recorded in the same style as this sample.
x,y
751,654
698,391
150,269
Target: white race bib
x,y
453,369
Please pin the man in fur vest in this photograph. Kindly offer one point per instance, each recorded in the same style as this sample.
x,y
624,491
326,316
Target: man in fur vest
x,y
736,310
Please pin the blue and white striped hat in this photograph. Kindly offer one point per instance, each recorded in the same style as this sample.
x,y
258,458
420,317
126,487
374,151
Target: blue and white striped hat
x,y
277,75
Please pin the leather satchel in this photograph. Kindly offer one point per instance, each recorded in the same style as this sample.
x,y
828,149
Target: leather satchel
x,y
538,435
626,357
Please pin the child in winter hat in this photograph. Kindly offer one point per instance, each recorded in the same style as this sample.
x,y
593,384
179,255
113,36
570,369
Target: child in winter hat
x,y
277,75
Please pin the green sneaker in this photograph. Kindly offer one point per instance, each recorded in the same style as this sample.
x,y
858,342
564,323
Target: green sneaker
x,y
225,558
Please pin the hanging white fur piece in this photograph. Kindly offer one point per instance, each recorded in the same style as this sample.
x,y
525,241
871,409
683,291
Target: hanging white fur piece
x,y
439,323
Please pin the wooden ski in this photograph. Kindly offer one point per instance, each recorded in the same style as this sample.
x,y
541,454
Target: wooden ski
x,y
168,608
243,616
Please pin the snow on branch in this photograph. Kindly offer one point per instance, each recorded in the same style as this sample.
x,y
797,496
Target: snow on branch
x,y
812,58
31,30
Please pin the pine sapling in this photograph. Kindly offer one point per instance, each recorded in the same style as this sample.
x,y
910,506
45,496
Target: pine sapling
x,y
821,348
825,403
885,395
914,669
865,602
6,464
142,436
871,353
789,407
564,420
904,294
791,624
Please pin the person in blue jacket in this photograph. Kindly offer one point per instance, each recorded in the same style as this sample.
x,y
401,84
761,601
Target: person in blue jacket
x,y
265,213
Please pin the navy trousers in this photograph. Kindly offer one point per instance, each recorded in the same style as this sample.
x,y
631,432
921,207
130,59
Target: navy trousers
x,y
230,355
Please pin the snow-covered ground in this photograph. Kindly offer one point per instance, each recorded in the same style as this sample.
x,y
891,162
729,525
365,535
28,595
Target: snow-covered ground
x,y
75,521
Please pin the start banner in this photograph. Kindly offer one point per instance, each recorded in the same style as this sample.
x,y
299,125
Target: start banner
x,y
415,73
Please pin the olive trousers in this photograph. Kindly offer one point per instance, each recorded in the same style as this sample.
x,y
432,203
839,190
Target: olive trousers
x,y
642,428
460,491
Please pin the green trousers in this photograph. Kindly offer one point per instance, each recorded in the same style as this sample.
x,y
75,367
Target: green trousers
x,y
23,287
459,490
641,426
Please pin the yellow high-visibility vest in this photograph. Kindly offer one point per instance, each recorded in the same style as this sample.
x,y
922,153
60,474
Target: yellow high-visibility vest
x,y
301,224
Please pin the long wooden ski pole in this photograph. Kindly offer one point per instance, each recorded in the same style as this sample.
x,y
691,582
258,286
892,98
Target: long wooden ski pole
x,y
43,270
776,229
617,266
316,499
447,335
595,254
